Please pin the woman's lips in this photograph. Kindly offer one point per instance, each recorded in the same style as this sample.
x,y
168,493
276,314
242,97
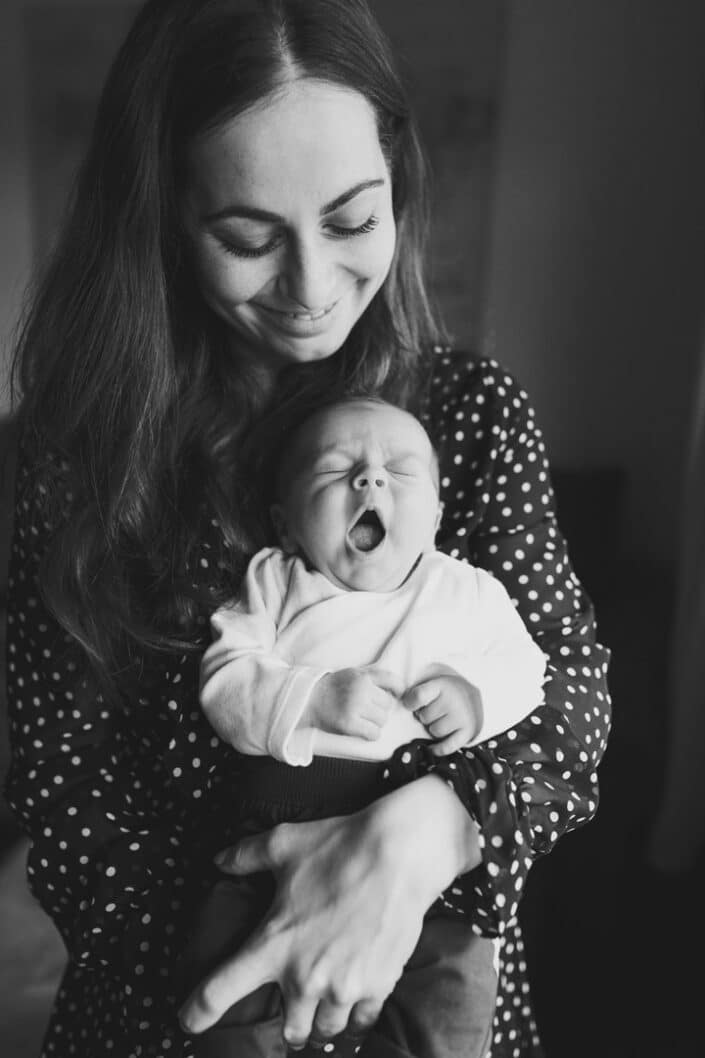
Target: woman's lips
x,y
300,322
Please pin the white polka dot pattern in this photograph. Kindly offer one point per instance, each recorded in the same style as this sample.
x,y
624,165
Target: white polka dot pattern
x,y
119,802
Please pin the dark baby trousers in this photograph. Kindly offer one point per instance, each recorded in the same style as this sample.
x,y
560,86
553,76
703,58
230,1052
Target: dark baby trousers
x,y
442,1006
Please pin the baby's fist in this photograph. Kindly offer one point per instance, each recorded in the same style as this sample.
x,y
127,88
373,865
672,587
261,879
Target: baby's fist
x,y
354,701
449,707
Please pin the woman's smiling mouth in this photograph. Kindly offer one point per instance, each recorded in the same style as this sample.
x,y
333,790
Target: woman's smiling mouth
x,y
304,317
300,324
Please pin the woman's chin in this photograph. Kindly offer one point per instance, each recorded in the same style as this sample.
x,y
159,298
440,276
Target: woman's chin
x,y
279,350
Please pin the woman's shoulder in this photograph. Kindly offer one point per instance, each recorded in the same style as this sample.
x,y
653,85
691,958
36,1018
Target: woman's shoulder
x,y
466,384
42,484
455,371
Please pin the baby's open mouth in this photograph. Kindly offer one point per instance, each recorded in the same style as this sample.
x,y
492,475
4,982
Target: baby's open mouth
x,y
368,532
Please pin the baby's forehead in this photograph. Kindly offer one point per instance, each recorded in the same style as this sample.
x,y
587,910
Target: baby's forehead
x,y
357,423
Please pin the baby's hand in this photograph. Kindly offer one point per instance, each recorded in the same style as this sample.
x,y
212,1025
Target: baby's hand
x,y
353,701
449,708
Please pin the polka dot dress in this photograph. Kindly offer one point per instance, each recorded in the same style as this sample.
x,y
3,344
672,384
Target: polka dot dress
x,y
120,802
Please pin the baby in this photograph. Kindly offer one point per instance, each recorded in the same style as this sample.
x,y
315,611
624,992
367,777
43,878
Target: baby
x,y
352,645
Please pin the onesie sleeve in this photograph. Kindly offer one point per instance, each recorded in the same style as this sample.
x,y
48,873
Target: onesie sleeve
x,y
504,663
252,698
532,784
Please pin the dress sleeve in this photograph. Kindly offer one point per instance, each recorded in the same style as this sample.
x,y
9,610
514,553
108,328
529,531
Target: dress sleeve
x,y
108,853
252,698
537,781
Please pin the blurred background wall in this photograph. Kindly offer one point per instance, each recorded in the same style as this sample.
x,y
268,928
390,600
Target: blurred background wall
x,y
568,147
596,283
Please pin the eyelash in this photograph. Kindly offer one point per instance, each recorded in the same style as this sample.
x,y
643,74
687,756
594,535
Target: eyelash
x,y
262,251
343,472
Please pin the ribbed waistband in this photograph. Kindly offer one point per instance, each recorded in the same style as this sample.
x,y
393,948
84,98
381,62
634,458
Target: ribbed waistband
x,y
343,785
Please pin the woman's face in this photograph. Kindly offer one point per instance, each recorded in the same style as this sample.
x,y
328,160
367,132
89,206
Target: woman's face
x,y
289,210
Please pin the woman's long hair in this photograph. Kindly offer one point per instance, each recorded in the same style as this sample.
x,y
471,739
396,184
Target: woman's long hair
x,y
122,368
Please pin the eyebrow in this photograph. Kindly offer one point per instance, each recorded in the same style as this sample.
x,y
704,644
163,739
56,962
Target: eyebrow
x,y
349,453
252,213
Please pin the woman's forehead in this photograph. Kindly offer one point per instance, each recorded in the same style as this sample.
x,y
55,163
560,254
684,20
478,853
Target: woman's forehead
x,y
310,137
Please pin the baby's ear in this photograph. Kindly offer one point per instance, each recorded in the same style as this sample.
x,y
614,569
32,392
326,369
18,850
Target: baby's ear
x,y
276,513
439,516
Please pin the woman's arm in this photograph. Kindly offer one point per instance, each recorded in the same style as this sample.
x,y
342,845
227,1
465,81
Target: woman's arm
x,y
530,785
348,910
110,798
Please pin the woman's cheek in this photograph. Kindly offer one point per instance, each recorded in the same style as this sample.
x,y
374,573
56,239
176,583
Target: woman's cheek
x,y
381,248
369,257
228,279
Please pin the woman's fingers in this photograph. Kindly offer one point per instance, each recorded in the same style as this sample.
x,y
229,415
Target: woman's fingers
x,y
345,916
331,1019
255,964
262,852
299,1013
363,1016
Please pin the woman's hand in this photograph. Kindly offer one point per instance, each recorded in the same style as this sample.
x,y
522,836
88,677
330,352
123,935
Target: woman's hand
x,y
351,895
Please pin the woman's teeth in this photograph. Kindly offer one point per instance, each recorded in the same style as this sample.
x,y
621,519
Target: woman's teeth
x,y
309,316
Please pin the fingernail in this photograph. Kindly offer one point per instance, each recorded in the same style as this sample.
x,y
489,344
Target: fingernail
x,y
219,859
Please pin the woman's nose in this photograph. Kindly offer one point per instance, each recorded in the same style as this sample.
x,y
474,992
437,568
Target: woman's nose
x,y
307,276
370,477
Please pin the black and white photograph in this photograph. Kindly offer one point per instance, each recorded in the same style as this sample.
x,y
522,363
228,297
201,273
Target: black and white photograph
x,y
352,535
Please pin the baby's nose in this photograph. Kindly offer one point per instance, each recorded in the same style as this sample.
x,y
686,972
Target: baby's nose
x,y
369,477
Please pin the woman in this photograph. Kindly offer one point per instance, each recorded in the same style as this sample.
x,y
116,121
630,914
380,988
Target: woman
x,y
247,234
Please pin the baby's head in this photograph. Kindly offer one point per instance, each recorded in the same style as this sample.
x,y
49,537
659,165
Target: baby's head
x,y
357,494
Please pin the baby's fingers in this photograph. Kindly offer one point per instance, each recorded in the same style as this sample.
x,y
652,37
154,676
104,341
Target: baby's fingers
x,y
378,709
364,727
450,744
372,730
433,712
385,679
442,727
421,696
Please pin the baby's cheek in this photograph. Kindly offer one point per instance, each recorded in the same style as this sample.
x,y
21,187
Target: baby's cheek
x,y
324,528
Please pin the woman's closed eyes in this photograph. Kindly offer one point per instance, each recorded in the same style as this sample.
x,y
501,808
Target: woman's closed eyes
x,y
337,231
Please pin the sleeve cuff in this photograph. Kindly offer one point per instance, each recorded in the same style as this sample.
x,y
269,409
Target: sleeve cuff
x,y
288,742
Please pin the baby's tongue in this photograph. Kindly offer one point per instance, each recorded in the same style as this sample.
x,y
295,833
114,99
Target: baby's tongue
x,y
366,536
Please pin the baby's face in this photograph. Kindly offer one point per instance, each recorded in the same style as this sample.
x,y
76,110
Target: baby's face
x,y
360,501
